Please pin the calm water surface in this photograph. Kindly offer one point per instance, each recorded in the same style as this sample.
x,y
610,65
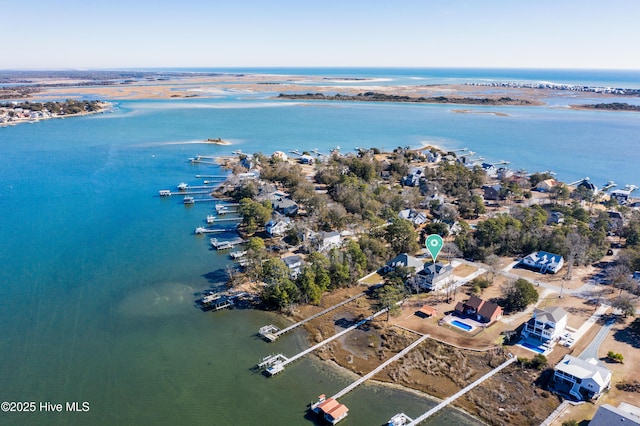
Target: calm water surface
x,y
99,274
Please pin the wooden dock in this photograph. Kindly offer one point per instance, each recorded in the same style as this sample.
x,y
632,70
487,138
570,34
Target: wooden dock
x,y
379,368
462,392
271,332
275,364
227,244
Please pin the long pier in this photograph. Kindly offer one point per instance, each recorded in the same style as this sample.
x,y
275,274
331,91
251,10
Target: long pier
x,y
462,392
271,332
276,363
375,371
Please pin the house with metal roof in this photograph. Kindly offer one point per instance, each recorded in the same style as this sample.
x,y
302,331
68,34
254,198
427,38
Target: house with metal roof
x,y
544,262
580,379
623,415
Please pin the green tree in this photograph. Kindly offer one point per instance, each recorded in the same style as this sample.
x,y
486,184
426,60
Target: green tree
x,y
254,214
311,292
518,295
615,357
388,296
439,228
401,236
356,259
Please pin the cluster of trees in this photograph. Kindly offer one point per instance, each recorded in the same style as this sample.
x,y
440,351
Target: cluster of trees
x,y
320,274
580,239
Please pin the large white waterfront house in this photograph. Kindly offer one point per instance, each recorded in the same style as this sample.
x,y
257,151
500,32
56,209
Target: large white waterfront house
x,y
583,380
544,262
546,324
434,277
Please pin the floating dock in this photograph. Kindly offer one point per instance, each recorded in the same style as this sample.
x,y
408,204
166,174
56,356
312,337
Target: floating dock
x,y
216,301
271,333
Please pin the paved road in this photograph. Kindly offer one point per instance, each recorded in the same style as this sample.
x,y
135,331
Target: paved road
x,y
591,351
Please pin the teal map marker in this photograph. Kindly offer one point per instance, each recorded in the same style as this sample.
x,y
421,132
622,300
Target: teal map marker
x,y
434,245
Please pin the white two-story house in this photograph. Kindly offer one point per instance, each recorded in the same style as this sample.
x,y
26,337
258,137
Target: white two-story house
x,y
546,325
583,380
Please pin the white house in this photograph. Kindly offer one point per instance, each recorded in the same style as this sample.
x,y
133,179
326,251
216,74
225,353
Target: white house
x,y
546,324
294,263
413,216
404,260
546,185
277,226
434,277
543,261
583,380
328,240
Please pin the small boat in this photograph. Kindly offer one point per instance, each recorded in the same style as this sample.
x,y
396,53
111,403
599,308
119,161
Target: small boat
x,y
210,219
183,186
188,200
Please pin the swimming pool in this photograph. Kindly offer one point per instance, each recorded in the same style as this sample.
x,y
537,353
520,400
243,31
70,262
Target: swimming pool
x,y
531,347
459,324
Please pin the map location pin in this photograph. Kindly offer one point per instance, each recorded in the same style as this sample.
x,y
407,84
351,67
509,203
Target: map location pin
x,y
434,245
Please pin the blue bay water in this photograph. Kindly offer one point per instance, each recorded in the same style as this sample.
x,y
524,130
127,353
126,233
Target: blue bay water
x,y
99,274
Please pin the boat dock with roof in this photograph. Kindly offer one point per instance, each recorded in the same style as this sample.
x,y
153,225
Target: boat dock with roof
x,y
226,244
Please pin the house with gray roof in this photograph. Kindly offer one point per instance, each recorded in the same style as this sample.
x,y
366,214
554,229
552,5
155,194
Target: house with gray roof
x,y
285,206
434,277
413,216
623,415
404,260
580,379
546,325
294,263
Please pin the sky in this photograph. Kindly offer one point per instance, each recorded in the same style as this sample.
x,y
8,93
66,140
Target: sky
x,y
80,34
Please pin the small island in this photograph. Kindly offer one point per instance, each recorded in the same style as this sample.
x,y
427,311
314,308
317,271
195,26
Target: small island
x,y
382,97
217,141
613,106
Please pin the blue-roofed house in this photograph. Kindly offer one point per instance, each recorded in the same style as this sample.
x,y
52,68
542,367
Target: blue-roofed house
x,y
544,262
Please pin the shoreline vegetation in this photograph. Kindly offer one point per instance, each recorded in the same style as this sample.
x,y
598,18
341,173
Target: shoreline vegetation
x,y
28,112
289,207
382,97
614,106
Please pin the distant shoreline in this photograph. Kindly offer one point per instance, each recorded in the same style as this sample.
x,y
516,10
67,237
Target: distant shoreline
x,y
18,115
382,97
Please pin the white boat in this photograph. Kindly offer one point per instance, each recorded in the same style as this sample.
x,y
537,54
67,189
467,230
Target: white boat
x,y
210,219
188,200
183,186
